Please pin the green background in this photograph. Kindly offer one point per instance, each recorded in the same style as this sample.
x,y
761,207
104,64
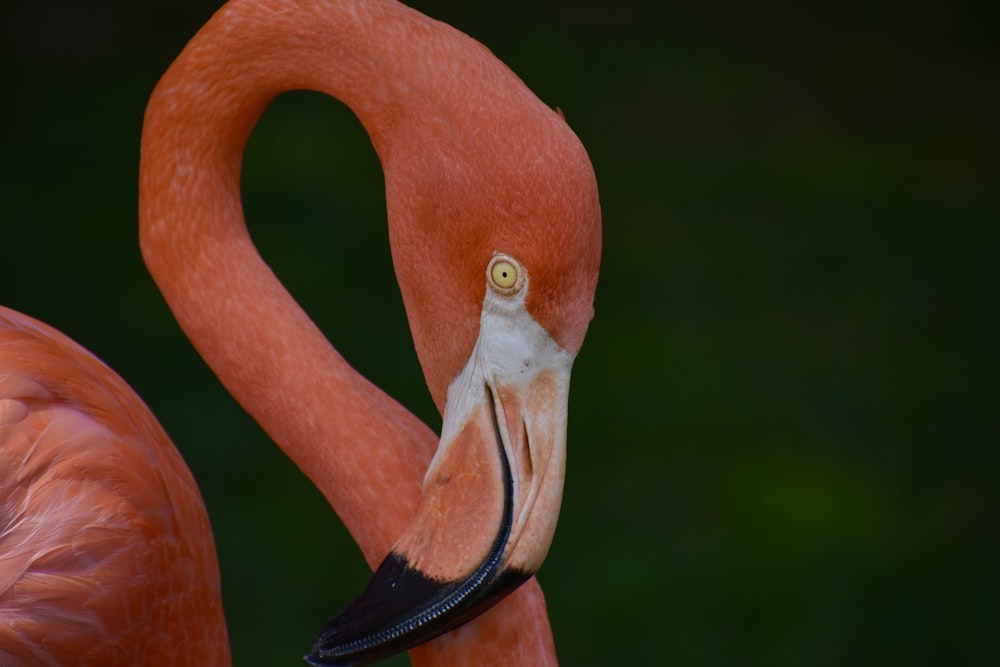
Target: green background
x,y
784,439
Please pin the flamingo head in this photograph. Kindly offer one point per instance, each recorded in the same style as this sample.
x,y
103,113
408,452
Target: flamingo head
x,y
495,229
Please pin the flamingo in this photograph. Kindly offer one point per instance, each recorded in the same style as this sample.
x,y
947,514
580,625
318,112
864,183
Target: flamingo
x,y
106,552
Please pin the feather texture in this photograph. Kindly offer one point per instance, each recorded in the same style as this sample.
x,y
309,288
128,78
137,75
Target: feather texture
x,y
96,510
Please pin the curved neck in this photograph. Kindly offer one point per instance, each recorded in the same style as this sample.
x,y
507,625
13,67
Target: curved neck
x,y
329,420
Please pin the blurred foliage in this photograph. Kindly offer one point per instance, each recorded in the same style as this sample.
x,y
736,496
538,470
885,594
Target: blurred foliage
x,y
784,440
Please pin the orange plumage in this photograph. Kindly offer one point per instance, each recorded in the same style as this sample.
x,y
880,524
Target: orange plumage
x,y
106,554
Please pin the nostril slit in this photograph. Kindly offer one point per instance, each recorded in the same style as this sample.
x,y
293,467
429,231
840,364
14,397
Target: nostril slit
x,y
528,467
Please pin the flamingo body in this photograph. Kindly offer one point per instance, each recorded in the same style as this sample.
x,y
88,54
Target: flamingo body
x,y
106,553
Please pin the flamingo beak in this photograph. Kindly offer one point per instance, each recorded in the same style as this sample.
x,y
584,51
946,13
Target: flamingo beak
x,y
490,500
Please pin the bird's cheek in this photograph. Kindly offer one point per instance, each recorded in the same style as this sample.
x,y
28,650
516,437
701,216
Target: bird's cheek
x,y
462,504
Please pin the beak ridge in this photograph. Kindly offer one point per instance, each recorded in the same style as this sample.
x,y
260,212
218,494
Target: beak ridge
x,y
403,606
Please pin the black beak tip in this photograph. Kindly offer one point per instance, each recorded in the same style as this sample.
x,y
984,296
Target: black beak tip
x,y
402,608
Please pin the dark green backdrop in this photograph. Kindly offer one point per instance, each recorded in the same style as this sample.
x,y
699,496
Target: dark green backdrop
x,y
784,437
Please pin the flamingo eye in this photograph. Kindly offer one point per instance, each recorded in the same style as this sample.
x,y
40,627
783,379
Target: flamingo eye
x,y
505,275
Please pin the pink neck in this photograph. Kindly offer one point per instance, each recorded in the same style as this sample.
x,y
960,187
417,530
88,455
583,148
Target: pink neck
x,y
332,422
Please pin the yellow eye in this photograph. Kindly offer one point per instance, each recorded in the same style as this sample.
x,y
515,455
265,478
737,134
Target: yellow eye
x,y
505,275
